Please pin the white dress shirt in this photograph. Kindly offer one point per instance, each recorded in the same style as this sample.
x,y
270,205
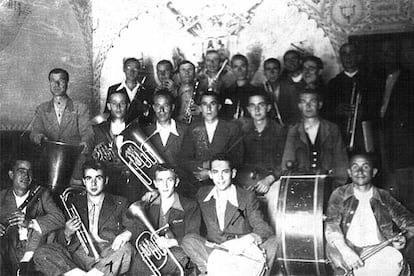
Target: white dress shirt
x,y
165,131
211,128
131,93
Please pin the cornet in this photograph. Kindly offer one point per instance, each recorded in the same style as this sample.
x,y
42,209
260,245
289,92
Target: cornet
x,y
82,234
152,255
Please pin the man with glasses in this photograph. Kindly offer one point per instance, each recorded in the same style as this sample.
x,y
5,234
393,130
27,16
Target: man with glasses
x,y
23,230
263,142
138,95
208,137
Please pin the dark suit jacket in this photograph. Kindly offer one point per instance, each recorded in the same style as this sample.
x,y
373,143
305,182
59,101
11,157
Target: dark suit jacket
x,y
138,106
332,150
43,209
112,219
241,220
196,148
170,151
182,221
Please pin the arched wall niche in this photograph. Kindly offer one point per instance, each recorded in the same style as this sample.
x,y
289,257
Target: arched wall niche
x,y
154,33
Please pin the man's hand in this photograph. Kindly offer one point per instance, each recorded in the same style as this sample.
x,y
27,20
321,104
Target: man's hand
x,y
149,196
201,174
164,242
345,109
351,258
18,218
168,84
85,147
121,240
262,186
2,230
238,246
399,242
195,109
37,139
72,226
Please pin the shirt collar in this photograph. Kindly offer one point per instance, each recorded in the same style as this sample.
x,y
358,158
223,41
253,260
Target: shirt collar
x,y
297,78
176,204
90,202
124,85
172,128
351,75
349,192
230,195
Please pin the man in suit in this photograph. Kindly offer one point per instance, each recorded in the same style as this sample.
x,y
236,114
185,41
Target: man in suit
x,y
168,208
209,80
165,77
232,217
63,119
139,96
23,231
314,145
103,215
208,137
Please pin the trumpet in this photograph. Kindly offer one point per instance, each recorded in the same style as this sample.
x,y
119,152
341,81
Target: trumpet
x,y
82,234
152,255
188,115
139,155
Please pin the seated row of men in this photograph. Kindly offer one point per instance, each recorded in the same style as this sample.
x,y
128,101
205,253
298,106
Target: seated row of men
x,y
360,216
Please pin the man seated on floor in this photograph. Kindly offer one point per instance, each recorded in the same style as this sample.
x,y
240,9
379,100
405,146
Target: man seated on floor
x,y
361,216
23,230
177,214
233,221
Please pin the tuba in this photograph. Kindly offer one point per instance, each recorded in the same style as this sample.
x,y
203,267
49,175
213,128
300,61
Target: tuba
x,y
138,154
152,255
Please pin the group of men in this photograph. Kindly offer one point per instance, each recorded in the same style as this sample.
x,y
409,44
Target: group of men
x,y
213,131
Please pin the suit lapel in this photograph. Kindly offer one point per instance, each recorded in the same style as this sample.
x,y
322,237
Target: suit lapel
x,y
82,207
231,212
323,131
209,211
106,210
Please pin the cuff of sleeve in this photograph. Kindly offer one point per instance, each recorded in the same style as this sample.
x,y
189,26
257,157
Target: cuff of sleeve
x,y
35,225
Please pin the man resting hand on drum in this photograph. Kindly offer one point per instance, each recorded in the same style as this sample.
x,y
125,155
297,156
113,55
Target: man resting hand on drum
x,y
235,228
360,217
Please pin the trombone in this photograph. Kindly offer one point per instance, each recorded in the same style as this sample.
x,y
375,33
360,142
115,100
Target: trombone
x,y
353,118
83,235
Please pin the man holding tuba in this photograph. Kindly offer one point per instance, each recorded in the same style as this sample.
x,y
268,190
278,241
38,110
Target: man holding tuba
x,y
175,216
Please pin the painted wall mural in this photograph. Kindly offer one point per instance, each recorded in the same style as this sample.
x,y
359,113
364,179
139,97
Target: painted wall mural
x,y
91,37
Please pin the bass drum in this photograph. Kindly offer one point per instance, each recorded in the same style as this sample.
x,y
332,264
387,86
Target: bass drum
x,y
299,225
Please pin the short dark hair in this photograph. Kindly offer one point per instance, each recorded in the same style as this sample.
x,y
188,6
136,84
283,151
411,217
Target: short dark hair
x,y
19,157
131,59
308,90
297,53
260,93
239,57
165,62
314,59
118,92
211,94
60,71
272,60
95,165
165,167
349,44
164,93
372,158
185,62
221,157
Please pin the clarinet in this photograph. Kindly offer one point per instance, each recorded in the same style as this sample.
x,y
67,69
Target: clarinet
x,y
33,195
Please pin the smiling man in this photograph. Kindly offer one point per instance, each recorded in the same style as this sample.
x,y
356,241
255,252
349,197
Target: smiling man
x,y
361,216
314,145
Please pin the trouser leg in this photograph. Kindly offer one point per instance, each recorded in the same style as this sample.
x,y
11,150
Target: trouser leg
x,y
194,246
53,260
270,247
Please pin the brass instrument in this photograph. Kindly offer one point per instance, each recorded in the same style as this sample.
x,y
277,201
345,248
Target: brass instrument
x,y
33,195
353,119
139,155
82,234
152,255
216,77
104,152
188,115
